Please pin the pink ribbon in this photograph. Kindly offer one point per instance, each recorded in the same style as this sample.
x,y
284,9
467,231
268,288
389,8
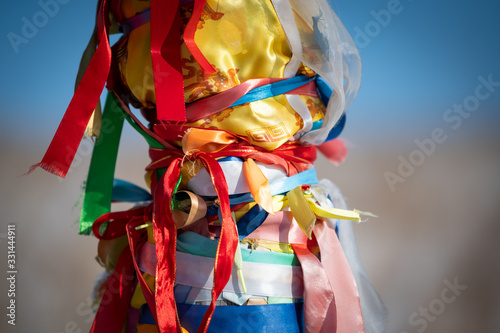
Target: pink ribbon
x,y
330,291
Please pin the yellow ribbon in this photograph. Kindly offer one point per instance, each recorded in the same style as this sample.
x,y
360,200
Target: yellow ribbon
x,y
305,210
302,212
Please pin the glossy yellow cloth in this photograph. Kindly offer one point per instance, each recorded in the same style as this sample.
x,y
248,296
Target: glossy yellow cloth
x,y
243,40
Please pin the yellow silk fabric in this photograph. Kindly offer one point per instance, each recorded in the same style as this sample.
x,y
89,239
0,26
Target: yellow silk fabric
x,y
242,39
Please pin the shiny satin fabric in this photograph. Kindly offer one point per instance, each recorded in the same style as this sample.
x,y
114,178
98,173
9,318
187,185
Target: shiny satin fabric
x,y
331,296
240,47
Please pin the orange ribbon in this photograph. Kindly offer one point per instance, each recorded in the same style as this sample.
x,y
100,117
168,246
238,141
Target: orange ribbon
x,y
259,185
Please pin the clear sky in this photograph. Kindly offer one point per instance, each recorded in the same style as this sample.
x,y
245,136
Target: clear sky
x,y
418,61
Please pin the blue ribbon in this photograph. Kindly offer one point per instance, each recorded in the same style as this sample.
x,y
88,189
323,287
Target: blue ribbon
x,y
273,89
251,221
287,317
124,191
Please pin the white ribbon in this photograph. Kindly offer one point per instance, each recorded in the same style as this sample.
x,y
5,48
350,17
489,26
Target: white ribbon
x,y
261,279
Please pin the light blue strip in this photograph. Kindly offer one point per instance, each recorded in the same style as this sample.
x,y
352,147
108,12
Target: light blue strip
x,y
282,186
287,184
273,89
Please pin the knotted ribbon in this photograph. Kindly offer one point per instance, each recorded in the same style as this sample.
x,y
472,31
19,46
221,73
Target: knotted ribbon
x,y
165,235
113,308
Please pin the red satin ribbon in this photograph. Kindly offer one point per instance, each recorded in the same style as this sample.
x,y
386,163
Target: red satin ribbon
x,y
335,150
119,224
291,158
62,149
348,308
116,223
166,58
189,37
165,234
116,299
136,240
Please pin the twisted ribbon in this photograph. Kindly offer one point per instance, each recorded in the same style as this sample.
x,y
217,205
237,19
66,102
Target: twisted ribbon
x,y
112,314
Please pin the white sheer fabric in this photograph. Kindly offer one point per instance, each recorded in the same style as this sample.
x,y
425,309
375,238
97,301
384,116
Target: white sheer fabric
x,y
329,51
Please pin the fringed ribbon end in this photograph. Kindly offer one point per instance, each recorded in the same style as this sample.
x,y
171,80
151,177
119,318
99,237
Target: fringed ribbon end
x,y
47,167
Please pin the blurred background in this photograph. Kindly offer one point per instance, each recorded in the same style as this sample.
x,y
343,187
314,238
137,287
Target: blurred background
x,y
423,155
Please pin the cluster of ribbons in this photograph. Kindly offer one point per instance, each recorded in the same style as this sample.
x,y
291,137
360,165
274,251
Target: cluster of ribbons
x,y
207,147
325,308
165,53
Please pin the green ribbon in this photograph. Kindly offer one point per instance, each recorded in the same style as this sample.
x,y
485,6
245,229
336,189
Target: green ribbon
x,y
99,186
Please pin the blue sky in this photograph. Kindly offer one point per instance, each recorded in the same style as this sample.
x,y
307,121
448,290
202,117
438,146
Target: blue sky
x,y
415,66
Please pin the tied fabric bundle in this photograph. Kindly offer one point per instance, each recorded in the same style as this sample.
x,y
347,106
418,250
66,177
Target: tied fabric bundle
x,y
235,232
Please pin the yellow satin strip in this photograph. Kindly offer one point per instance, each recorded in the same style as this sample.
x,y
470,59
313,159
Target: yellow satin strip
x,y
301,210
273,246
334,213
138,298
281,201
238,262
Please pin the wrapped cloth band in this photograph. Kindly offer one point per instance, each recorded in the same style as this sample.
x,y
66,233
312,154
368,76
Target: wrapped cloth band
x,y
261,279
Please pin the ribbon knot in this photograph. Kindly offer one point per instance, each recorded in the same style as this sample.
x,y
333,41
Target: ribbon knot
x,y
165,235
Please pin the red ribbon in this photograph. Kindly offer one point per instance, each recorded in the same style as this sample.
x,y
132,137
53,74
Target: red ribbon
x,y
335,150
189,37
119,224
336,266
166,58
292,158
319,308
165,234
116,299
136,240
62,149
